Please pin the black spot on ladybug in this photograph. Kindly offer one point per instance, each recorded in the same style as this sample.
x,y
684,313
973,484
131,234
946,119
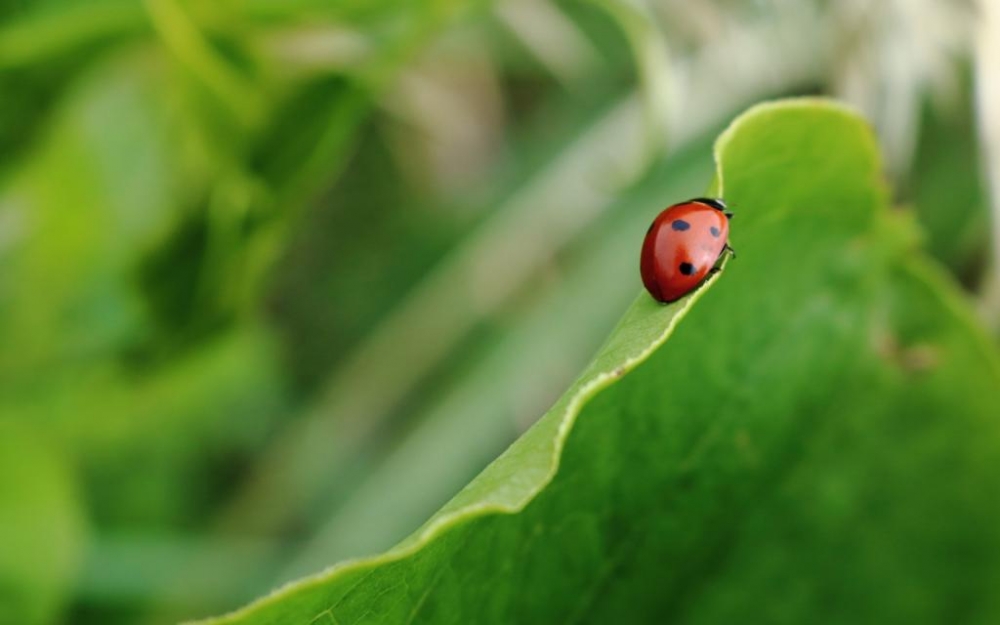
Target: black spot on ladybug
x,y
715,232
680,224
687,269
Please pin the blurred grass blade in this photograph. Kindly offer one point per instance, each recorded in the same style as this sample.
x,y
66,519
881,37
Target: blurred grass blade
x,y
183,38
988,112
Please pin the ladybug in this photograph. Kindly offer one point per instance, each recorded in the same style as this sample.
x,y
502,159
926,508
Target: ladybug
x,y
683,246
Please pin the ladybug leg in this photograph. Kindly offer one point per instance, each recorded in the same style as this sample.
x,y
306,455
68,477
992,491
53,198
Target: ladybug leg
x,y
732,252
717,267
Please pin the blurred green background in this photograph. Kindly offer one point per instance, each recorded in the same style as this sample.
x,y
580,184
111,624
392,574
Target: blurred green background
x,y
277,278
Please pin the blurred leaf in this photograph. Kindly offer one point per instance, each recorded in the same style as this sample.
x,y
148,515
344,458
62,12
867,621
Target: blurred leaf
x,y
113,180
47,30
29,96
41,528
946,188
824,423
390,238
104,186
159,446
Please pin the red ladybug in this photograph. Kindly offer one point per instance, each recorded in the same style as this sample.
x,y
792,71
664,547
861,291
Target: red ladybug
x,y
683,246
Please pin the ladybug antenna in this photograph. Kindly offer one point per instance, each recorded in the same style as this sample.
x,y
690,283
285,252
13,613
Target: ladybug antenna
x,y
729,214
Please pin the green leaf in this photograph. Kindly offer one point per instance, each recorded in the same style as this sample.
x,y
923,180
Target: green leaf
x,y
816,442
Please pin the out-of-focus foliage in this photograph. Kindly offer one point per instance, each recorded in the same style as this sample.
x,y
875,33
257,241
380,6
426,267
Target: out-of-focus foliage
x,y
278,278
41,523
945,190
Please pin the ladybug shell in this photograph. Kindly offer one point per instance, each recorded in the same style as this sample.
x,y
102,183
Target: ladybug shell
x,y
681,247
